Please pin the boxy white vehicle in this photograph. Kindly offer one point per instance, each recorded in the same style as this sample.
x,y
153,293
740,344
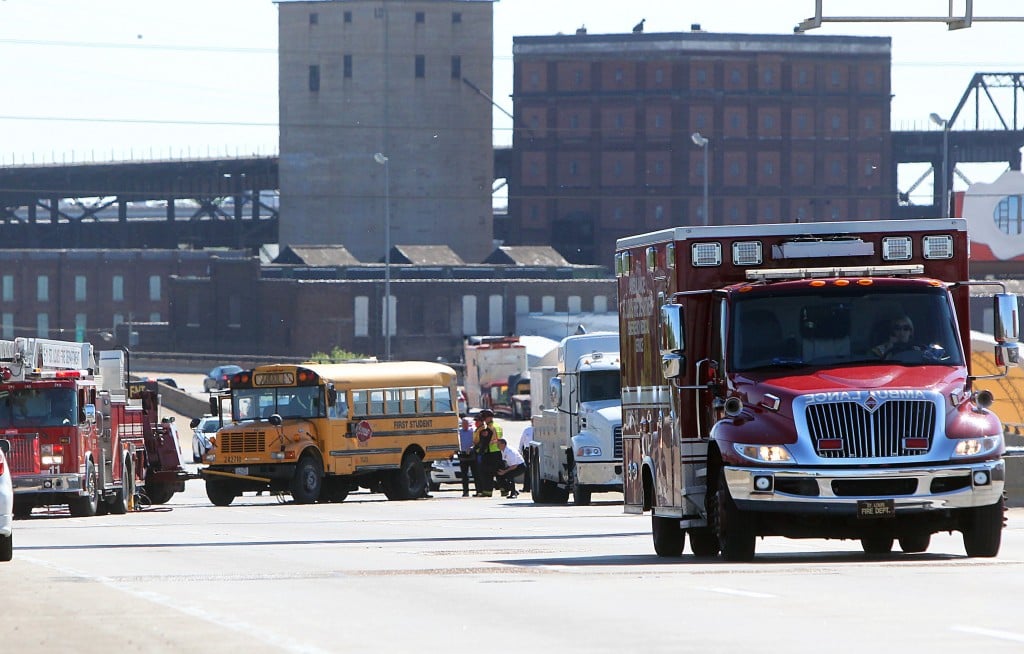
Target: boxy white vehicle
x,y
6,505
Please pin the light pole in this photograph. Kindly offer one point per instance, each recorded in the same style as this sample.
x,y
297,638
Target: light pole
x,y
944,124
384,161
702,142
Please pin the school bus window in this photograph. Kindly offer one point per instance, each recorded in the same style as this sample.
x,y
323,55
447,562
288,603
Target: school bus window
x,y
376,402
423,404
442,399
408,400
340,407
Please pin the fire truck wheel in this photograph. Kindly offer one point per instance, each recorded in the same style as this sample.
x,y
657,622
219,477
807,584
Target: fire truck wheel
x,y
736,537
123,495
669,537
876,544
914,543
703,542
983,530
6,548
86,507
408,482
219,493
305,483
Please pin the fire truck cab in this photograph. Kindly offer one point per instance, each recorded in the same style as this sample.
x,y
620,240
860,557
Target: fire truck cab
x,y
808,381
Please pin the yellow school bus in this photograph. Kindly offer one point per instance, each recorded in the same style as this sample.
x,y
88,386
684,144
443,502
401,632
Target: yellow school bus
x,y
320,431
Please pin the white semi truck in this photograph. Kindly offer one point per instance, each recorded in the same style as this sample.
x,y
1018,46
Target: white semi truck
x,y
577,423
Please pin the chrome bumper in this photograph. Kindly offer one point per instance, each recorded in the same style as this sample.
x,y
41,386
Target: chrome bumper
x,y
47,484
743,487
600,473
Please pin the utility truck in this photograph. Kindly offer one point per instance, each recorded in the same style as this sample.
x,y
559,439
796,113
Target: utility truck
x,y
490,362
577,426
808,380
79,434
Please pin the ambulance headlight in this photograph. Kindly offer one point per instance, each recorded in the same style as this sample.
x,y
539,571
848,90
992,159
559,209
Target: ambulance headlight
x,y
976,446
764,453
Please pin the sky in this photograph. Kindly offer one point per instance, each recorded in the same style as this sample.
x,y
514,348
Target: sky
x,y
102,80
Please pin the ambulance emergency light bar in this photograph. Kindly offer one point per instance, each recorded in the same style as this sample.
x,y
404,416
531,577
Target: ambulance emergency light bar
x,y
749,253
764,274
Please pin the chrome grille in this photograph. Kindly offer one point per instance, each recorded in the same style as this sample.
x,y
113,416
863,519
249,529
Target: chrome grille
x,y
239,442
24,456
617,442
871,434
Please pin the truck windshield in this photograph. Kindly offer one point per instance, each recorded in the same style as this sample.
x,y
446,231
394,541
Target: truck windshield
x,y
38,407
843,326
288,402
599,385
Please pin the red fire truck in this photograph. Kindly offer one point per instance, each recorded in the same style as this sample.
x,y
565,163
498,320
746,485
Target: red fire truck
x,y
79,436
808,381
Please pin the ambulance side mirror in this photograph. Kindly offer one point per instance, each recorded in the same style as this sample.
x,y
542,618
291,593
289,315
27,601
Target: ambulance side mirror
x,y
1007,325
673,341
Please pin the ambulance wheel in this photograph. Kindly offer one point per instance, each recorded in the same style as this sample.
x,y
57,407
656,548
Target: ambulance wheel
x,y
123,495
703,542
669,537
306,482
6,547
219,493
914,543
876,544
983,530
736,537
87,506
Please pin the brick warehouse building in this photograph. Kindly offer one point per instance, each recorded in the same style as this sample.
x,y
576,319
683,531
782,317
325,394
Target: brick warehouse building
x,y
797,129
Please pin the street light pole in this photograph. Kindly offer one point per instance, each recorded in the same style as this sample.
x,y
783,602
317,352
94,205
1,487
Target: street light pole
x,y
944,124
384,161
702,142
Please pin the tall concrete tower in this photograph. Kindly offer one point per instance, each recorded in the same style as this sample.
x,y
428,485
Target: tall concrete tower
x,y
410,80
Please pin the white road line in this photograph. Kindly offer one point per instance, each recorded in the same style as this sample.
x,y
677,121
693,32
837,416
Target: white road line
x,y
202,613
991,633
736,591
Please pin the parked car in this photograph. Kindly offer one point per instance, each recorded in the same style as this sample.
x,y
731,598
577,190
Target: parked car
x,y
219,378
446,471
202,429
6,505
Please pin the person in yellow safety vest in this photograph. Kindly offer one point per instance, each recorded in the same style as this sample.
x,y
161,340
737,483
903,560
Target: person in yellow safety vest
x,y
487,436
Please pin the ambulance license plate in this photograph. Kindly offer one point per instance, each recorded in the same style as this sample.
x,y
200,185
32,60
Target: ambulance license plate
x,y
242,471
876,509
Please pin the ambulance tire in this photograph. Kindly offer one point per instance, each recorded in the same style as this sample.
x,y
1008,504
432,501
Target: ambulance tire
x,y
123,495
983,530
914,543
307,481
736,536
669,537
876,544
6,548
703,542
88,505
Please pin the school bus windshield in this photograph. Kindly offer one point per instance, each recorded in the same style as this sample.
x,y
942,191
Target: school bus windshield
x,y
287,402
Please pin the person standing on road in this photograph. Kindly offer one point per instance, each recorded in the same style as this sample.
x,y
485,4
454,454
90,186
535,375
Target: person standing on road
x,y
512,465
492,456
467,459
482,440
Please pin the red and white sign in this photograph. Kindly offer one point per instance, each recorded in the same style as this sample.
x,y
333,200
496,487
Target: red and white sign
x,y
364,431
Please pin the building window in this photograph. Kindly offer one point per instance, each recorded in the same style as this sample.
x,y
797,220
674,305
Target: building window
x,y
575,304
8,326
456,17
8,291
234,312
578,78
522,304
117,288
80,288
469,315
547,304
495,319
192,313
314,78
361,316
702,76
42,325
314,18
154,288
43,288
154,316
80,325
347,17
421,17
421,66
119,319
659,76
456,67
346,64
600,304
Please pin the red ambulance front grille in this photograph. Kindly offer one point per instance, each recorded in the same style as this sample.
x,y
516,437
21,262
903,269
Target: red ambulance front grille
x,y
896,428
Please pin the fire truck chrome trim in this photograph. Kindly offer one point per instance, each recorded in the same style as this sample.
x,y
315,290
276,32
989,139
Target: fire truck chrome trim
x,y
46,483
